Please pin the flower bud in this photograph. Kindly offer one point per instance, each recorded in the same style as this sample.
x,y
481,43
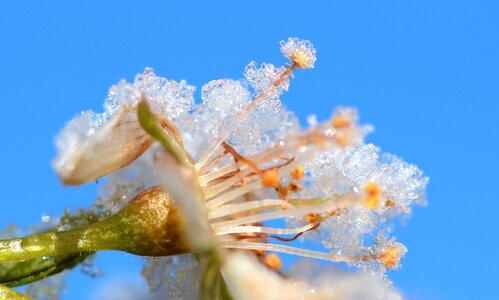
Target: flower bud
x,y
149,225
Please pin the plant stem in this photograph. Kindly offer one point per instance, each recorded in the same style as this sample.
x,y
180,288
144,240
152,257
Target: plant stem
x,y
148,225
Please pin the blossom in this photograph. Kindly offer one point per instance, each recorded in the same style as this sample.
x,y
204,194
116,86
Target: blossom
x,y
237,163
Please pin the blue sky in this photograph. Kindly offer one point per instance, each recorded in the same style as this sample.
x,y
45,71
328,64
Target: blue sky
x,y
425,73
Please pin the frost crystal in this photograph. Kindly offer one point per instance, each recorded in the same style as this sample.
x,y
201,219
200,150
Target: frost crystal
x,y
301,52
256,176
225,96
262,79
167,97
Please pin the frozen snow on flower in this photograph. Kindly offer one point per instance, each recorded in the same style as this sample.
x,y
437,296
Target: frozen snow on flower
x,y
301,52
253,164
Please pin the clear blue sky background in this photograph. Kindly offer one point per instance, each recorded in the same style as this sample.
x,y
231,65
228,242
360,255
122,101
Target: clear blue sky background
x,y
425,73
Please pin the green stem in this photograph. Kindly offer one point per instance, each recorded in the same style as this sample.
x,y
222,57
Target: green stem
x,y
148,225
24,272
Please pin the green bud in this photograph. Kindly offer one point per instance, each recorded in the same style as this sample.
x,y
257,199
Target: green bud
x,y
149,225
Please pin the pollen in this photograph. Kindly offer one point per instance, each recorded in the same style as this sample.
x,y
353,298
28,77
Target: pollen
x,y
301,59
298,173
272,261
391,257
271,178
341,122
314,218
294,187
389,203
373,195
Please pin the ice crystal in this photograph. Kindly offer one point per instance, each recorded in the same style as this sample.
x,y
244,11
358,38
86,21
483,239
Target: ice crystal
x,y
300,52
262,79
252,165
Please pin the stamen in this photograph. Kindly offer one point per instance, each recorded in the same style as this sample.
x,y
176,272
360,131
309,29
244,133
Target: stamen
x,y
214,190
266,156
286,249
262,229
251,206
212,162
241,116
233,194
289,213
239,158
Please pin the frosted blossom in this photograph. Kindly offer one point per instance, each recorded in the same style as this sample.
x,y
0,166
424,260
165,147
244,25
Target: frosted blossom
x,y
249,167
84,142
301,52
262,79
166,97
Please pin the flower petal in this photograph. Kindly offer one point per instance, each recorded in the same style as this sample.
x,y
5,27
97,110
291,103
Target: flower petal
x,y
181,183
86,154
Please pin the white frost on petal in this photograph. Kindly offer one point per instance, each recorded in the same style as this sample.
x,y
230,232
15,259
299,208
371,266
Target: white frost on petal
x,y
87,154
93,145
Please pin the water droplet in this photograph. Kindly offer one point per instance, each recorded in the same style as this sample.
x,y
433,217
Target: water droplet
x,y
149,71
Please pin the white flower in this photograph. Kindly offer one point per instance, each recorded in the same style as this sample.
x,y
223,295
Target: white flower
x,y
240,163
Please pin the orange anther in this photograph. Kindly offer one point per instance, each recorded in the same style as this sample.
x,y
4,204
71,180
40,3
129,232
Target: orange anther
x,y
341,122
314,218
391,257
297,173
301,59
272,261
271,178
373,195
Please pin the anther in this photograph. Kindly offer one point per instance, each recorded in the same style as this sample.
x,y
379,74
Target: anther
x,y
373,195
272,261
390,258
341,122
271,178
298,173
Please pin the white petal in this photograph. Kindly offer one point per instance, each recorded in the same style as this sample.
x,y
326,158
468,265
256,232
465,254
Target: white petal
x,y
181,184
87,157
248,279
